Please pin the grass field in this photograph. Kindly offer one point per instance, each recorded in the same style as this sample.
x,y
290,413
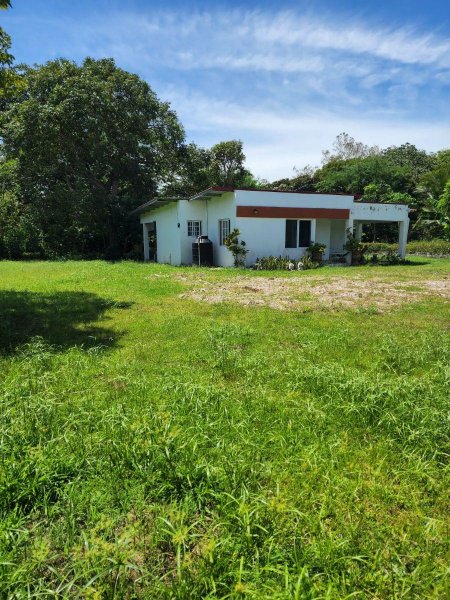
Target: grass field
x,y
184,433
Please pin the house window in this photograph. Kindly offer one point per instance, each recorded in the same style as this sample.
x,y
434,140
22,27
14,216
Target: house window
x,y
291,234
298,233
194,228
304,234
224,230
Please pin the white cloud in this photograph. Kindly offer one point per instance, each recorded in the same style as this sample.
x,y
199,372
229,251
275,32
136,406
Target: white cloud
x,y
284,82
262,40
276,142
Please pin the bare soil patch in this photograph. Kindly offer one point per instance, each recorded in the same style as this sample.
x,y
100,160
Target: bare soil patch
x,y
301,293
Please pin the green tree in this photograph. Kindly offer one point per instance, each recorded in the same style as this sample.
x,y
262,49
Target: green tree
x,y
417,162
353,175
227,164
18,235
8,78
382,192
443,207
304,180
432,220
193,174
346,147
91,142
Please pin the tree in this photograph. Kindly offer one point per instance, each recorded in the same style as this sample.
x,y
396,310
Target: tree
x,y
345,147
409,157
193,174
227,163
353,175
443,207
91,142
8,77
382,192
18,234
304,180
432,220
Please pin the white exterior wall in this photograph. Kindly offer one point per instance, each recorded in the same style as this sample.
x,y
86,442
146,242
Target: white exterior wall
x,y
263,236
323,234
266,237
370,212
338,235
167,233
222,207
194,210
254,197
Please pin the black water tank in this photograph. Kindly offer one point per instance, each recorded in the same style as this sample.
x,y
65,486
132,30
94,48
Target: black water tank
x,y
202,252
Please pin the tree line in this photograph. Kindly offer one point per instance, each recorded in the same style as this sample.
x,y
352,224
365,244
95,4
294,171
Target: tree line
x,y
81,145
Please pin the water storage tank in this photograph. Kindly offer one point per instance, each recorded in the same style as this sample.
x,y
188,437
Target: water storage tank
x,y
202,252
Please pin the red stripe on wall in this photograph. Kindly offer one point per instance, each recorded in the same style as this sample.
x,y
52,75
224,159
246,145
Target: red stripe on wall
x,y
291,212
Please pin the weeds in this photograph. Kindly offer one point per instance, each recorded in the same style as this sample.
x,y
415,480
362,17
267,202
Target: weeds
x,y
223,452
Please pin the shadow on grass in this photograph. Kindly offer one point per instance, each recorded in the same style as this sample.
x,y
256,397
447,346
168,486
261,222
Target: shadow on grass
x,y
62,319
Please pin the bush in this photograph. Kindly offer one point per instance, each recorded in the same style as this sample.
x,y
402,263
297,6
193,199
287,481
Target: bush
x,y
272,263
420,247
281,263
431,248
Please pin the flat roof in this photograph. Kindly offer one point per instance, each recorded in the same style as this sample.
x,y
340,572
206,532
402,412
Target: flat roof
x,y
219,190
216,191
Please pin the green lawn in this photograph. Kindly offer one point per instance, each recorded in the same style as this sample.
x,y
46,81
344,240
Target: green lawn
x,y
158,446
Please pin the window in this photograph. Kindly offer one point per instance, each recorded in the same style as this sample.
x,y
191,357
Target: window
x,y
304,234
298,234
224,230
291,234
194,228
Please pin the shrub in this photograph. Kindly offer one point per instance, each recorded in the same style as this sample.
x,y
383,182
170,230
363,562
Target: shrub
x,y
281,263
309,263
420,247
236,247
431,248
316,251
272,263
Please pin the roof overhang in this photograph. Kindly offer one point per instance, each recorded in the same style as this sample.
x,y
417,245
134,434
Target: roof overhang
x,y
211,193
152,204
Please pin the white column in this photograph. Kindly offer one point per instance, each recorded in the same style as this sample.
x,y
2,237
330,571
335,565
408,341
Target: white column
x,y
402,237
358,231
313,230
348,229
146,248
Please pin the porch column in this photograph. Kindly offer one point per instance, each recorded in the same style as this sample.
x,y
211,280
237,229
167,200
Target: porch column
x,y
146,247
402,237
348,226
358,231
313,230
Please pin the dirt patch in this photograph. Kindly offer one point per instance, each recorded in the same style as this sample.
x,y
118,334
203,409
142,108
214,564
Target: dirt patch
x,y
301,293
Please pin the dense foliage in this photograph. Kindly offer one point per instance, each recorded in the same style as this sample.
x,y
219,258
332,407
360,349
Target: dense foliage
x,y
89,142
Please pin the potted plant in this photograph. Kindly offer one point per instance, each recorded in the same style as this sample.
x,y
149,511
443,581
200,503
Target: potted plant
x,y
236,247
316,251
355,247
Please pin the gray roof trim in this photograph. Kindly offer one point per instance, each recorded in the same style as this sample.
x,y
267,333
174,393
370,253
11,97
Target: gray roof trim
x,y
154,203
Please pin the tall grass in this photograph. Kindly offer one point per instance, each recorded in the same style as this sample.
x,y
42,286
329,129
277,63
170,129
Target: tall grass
x,y
219,452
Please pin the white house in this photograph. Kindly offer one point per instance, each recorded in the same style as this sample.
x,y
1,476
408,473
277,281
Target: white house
x,y
270,222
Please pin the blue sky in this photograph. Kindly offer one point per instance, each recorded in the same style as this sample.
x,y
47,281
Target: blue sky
x,y
285,77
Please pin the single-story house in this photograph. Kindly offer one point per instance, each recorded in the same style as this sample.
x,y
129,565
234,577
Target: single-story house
x,y
271,223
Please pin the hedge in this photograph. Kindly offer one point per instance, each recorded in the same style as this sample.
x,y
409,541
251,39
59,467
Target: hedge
x,y
422,247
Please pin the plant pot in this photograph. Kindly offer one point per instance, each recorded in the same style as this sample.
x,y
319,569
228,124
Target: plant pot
x,y
316,256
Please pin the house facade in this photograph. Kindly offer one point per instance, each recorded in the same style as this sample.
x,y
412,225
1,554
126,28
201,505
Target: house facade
x,y
271,223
